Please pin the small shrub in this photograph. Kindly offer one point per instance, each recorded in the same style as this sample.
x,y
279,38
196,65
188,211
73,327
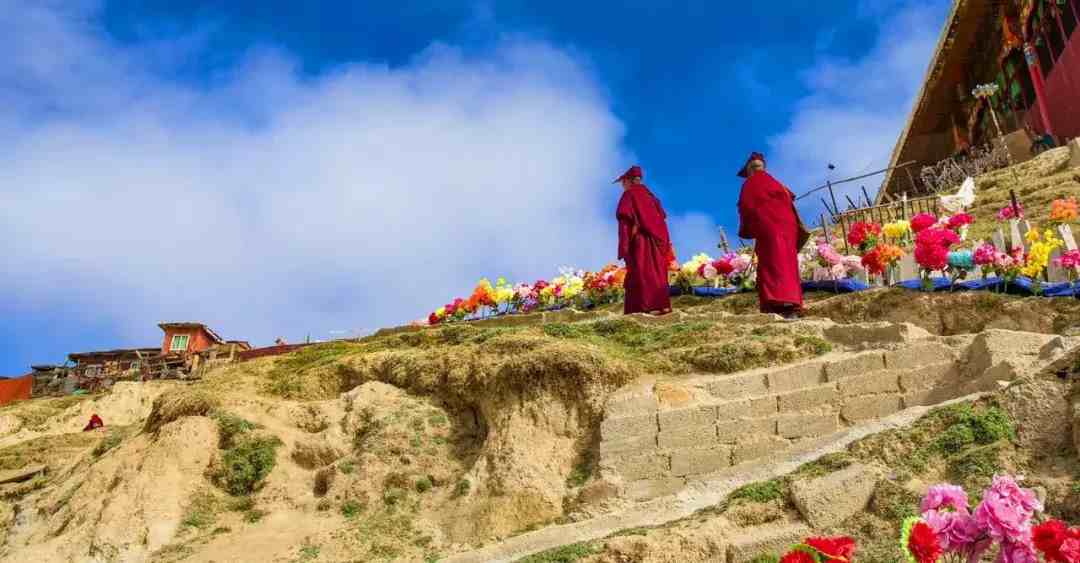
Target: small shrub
x,y
309,552
110,441
230,427
770,558
246,465
423,485
955,438
563,330
394,495
991,425
461,488
438,419
242,504
351,509
346,467
762,491
201,511
579,475
254,515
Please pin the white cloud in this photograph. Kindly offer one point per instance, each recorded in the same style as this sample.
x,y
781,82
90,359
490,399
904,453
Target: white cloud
x,y
858,106
269,203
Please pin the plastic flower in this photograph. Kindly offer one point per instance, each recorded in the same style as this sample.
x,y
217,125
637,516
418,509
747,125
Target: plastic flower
x,y
985,254
919,542
932,248
898,229
922,221
1063,210
1038,257
890,254
864,235
960,220
872,261
1008,212
838,548
1048,538
1006,510
797,556
957,532
945,496
1070,259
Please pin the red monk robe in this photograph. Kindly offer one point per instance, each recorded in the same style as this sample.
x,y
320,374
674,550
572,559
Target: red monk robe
x,y
646,247
767,215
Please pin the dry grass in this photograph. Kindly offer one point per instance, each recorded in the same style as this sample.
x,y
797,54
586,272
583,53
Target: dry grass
x,y
176,404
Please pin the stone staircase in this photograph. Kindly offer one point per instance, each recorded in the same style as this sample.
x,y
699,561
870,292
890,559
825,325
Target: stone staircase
x,y
658,436
677,445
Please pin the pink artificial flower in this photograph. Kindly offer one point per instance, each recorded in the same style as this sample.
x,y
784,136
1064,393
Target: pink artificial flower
x,y
1006,509
922,221
957,532
1008,212
1019,551
829,254
985,254
960,220
932,247
945,495
1070,259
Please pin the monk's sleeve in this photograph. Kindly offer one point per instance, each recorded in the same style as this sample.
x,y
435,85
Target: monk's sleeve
x,y
626,216
745,229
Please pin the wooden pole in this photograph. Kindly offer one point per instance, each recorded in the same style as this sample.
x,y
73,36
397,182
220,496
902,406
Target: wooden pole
x,y
851,203
867,196
724,242
827,208
825,228
843,228
1015,205
911,180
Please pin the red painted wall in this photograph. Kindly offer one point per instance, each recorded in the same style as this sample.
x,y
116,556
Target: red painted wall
x,y
15,389
1063,91
198,339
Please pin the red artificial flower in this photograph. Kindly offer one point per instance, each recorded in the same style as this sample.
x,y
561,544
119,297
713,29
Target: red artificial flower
x,y
433,319
1048,537
923,543
723,266
922,221
861,232
797,556
959,220
871,261
837,548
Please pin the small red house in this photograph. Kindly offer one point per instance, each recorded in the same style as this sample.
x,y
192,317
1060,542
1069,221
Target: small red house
x,y
188,338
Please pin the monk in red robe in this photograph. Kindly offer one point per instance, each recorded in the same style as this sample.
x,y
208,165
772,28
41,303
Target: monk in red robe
x,y
645,245
767,215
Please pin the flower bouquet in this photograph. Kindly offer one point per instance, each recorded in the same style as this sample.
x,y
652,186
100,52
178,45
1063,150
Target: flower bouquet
x,y
1069,261
1063,211
1038,256
898,231
948,528
864,235
932,245
821,550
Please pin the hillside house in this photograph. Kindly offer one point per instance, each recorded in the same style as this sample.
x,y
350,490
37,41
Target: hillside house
x,y
1029,48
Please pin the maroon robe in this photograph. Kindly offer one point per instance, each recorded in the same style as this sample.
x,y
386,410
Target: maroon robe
x,y
767,215
645,245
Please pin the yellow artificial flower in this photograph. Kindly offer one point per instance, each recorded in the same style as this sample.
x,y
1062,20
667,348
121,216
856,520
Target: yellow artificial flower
x,y
896,229
1032,236
440,312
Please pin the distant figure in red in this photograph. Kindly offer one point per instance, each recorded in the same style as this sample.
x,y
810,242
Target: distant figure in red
x,y
767,215
95,422
645,246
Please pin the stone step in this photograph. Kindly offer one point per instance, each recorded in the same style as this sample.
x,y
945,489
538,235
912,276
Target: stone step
x,y
653,450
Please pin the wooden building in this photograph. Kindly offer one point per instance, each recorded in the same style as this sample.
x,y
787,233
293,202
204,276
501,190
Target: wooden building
x,y
1029,48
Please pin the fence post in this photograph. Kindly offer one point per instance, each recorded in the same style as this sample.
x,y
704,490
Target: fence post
x,y
843,228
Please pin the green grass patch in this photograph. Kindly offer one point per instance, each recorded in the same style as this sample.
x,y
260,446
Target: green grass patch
x,y
423,485
461,488
230,427
761,491
346,467
565,554
245,465
110,441
201,512
579,475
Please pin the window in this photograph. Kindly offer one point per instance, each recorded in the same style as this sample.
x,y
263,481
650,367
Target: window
x,y
179,343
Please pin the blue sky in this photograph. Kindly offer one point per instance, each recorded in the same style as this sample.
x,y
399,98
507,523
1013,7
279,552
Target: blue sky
x,y
325,168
